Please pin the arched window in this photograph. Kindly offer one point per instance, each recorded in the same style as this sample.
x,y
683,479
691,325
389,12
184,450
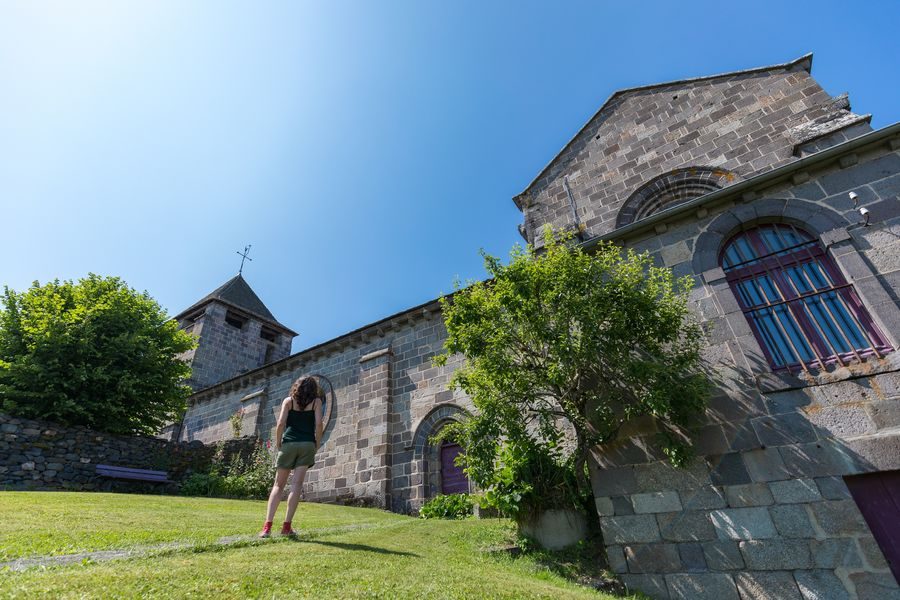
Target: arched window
x,y
800,307
671,189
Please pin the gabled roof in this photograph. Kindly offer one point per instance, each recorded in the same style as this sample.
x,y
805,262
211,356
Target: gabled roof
x,y
236,292
804,61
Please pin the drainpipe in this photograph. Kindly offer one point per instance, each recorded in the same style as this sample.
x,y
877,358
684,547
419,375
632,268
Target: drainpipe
x,y
579,229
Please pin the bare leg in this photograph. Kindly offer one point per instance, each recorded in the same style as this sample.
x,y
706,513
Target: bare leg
x,y
294,497
281,476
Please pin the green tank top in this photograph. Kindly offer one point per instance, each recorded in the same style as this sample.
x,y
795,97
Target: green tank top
x,y
301,426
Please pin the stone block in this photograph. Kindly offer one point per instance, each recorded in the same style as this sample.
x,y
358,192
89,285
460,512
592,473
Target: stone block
x,y
723,555
765,464
692,586
686,526
875,586
705,497
692,557
843,421
792,521
794,491
743,524
839,517
787,402
622,505
833,488
630,529
658,476
604,507
776,555
835,553
656,502
819,459
767,585
872,552
653,558
727,469
615,556
787,428
748,494
653,586
614,482
820,585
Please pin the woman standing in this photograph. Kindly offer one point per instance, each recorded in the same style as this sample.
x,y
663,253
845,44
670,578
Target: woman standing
x,y
297,438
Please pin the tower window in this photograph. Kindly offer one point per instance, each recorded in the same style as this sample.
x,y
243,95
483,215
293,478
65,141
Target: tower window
x,y
798,304
235,320
270,335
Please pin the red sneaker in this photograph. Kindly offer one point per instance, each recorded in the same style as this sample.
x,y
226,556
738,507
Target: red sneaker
x,y
266,531
287,530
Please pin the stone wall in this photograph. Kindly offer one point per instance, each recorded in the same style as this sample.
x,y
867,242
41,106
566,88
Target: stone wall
x,y
39,455
764,512
743,123
387,399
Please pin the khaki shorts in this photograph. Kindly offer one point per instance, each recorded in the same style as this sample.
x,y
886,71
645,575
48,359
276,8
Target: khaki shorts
x,y
296,454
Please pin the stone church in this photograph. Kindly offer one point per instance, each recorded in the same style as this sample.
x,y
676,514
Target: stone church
x,y
784,206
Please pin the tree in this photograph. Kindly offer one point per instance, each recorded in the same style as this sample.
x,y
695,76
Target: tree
x,y
94,353
568,341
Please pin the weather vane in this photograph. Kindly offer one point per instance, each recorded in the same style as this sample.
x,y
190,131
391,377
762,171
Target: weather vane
x,y
244,257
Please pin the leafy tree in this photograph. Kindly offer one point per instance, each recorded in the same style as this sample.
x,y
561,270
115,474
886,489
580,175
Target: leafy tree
x,y
94,353
562,348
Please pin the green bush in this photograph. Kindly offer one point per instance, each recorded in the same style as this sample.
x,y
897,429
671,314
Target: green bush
x,y
241,477
450,506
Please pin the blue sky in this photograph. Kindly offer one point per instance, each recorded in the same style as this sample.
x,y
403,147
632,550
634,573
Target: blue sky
x,y
366,150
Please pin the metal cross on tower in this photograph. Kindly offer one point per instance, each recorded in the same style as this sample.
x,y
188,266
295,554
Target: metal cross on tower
x,y
244,257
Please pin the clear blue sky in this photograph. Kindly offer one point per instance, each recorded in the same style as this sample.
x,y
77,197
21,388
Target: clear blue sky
x,y
366,150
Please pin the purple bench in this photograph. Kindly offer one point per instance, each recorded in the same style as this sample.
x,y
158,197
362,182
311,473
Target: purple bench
x,y
133,474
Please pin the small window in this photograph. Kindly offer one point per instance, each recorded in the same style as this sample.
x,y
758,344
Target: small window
x,y
801,309
270,335
235,320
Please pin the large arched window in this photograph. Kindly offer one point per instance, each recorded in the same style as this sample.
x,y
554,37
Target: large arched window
x,y
800,307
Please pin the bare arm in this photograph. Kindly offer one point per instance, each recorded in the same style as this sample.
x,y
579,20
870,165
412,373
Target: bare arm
x,y
318,410
282,422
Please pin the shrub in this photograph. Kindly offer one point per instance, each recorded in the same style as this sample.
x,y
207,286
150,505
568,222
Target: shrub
x,y
449,506
248,477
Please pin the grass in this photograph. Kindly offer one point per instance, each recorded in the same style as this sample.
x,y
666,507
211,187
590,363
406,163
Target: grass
x,y
381,555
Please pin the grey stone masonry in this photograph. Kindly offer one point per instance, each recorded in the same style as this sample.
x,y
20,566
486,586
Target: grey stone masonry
x,y
766,498
741,124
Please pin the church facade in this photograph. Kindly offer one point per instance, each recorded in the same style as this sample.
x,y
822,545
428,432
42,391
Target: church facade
x,y
784,206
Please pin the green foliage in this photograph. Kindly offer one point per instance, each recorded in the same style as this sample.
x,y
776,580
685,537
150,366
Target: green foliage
x,y
94,353
529,477
248,477
448,506
569,341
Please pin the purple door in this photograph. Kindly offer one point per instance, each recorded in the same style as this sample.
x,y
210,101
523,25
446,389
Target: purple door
x,y
878,498
453,480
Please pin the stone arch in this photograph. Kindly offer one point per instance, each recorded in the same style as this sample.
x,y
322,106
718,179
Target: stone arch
x,y
671,189
815,218
426,456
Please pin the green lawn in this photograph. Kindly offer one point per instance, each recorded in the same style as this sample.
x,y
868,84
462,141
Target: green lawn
x,y
342,553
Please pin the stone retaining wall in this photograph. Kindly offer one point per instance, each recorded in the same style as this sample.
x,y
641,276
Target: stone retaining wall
x,y
39,455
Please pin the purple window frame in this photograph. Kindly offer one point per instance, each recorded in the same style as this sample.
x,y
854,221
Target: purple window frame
x,y
775,265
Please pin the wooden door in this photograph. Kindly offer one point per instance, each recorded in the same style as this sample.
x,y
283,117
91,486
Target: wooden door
x,y
878,498
453,480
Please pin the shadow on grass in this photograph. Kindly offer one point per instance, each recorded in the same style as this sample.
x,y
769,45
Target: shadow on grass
x,y
356,547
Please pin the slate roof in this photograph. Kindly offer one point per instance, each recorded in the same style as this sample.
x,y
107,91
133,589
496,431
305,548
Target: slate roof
x,y
237,293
